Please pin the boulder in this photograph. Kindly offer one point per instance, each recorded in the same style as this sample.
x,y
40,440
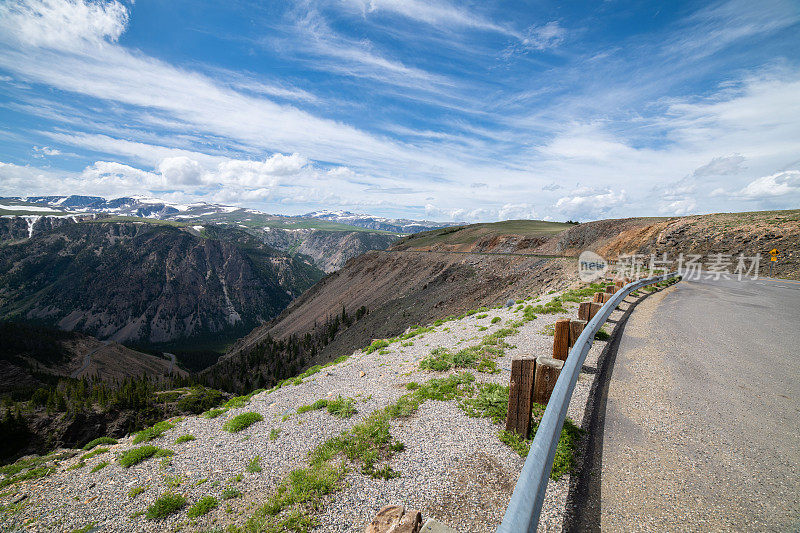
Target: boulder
x,y
395,519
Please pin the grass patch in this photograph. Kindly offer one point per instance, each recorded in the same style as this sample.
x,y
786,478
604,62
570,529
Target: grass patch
x,y
33,473
93,453
368,443
274,433
153,432
99,466
319,404
204,505
185,438
137,455
228,493
342,407
490,402
564,461
377,344
254,465
602,335
241,422
165,505
213,413
496,319
100,440
135,491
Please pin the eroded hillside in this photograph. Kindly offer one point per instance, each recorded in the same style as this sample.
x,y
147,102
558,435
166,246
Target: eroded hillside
x,y
148,284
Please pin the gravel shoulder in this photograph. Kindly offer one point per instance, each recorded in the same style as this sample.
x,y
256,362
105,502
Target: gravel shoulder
x,y
453,468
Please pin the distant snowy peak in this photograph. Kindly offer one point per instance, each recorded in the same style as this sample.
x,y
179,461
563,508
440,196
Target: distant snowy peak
x,y
395,225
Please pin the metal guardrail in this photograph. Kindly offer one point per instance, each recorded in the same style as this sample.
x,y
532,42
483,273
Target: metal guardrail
x,y
526,502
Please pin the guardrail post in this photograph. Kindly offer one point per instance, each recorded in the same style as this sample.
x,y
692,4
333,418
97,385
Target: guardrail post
x,y
598,297
561,339
520,396
547,371
594,308
583,311
575,330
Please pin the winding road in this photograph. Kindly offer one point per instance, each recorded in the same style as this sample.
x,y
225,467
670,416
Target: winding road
x,y
698,427
87,359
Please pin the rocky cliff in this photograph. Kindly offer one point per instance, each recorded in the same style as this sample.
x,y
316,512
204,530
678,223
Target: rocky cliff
x,y
148,284
329,250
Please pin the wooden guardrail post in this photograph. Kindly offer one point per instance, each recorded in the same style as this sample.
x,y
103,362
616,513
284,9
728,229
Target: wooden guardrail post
x,y
594,308
520,396
583,310
575,330
547,371
561,339
598,297
606,296
619,284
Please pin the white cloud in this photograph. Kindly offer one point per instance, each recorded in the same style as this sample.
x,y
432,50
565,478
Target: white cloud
x,y
721,166
781,184
181,170
433,12
62,23
682,207
516,211
42,151
587,204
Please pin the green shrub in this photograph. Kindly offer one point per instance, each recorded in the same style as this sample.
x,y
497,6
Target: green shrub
x,y
496,319
319,404
99,466
490,402
213,413
135,491
377,344
164,506
99,440
229,493
93,453
602,335
273,434
137,455
200,399
342,407
203,506
153,432
254,465
184,438
242,421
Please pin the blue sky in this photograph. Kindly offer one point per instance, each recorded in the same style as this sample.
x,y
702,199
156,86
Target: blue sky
x,y
434,109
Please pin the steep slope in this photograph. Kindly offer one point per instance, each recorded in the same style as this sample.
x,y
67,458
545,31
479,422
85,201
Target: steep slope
x,y
33,356
148,284
394,289
729,234
329,250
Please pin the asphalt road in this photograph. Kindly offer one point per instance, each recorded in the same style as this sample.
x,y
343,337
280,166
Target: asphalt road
x,y
699,422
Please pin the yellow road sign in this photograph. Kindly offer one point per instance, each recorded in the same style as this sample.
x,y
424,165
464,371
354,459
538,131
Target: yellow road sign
x,y
773,258
774,251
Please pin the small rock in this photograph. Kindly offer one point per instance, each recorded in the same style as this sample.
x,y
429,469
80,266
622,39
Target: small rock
x,y
395,519
362,374
18,498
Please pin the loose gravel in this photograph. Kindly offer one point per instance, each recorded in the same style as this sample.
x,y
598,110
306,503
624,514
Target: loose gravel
x,y
454,468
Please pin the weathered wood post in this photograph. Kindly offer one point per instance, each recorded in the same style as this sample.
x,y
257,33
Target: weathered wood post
x,y
598,297
606,297
520,396
547,371
561,339
583,310
620,284
594,308
575,330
